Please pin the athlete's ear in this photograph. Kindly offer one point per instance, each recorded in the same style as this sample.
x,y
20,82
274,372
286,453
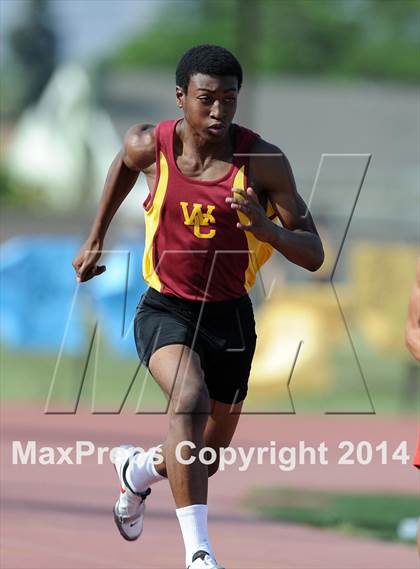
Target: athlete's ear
x,y
179,93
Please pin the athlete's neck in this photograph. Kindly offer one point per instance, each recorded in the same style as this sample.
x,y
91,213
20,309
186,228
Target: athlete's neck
x,y
192,146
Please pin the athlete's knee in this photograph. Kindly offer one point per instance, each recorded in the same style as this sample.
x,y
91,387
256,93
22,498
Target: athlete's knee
x,y
191,400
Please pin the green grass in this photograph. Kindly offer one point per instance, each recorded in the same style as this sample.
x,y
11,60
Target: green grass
x,y
386,386
375,516
27,376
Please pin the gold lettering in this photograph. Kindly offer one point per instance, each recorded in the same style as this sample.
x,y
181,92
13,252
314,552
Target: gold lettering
x,y
198,219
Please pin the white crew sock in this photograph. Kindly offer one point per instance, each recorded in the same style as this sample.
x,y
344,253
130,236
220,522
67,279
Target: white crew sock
x,y
193,522
141,472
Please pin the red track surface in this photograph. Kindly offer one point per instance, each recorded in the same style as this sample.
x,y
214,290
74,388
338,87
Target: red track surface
x,y
60,516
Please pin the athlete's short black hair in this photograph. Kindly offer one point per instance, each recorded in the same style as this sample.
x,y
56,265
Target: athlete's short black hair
x,y
207,59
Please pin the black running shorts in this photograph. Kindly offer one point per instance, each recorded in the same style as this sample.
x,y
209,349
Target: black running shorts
x,y
223,336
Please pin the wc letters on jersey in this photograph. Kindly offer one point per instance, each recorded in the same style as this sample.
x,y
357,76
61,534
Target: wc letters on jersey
x,y
194,216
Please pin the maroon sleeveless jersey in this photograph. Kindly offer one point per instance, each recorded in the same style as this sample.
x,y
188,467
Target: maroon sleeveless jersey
x,y
193,249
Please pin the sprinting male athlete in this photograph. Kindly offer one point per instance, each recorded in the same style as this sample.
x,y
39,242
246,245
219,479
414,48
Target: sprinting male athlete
x,y
194,327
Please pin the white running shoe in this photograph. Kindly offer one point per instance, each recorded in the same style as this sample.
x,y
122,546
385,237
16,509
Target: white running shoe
x,y
130,507
202,560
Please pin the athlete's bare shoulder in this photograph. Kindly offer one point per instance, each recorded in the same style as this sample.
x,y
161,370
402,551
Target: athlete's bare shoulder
x,y
261,146
139,147
267,165
265,155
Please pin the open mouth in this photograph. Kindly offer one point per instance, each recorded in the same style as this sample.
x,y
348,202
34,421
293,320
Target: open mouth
x,y
217,129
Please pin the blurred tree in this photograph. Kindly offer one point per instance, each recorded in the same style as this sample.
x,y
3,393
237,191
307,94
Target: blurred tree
x,y
353,38
35,45
306,37
248,37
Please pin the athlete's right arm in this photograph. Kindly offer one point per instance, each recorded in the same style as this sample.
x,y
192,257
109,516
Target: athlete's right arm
x,y
137,154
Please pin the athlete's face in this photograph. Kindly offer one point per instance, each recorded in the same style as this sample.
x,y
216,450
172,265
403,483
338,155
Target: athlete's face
x,y
209,104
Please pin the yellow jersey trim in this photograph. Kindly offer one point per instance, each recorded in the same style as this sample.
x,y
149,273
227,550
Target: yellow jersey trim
x,y
259,251
151,220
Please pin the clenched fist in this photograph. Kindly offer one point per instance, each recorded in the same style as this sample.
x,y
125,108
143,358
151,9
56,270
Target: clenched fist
x,y
85,262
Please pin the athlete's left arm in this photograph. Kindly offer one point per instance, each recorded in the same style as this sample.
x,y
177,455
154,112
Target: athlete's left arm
x,y
271,177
